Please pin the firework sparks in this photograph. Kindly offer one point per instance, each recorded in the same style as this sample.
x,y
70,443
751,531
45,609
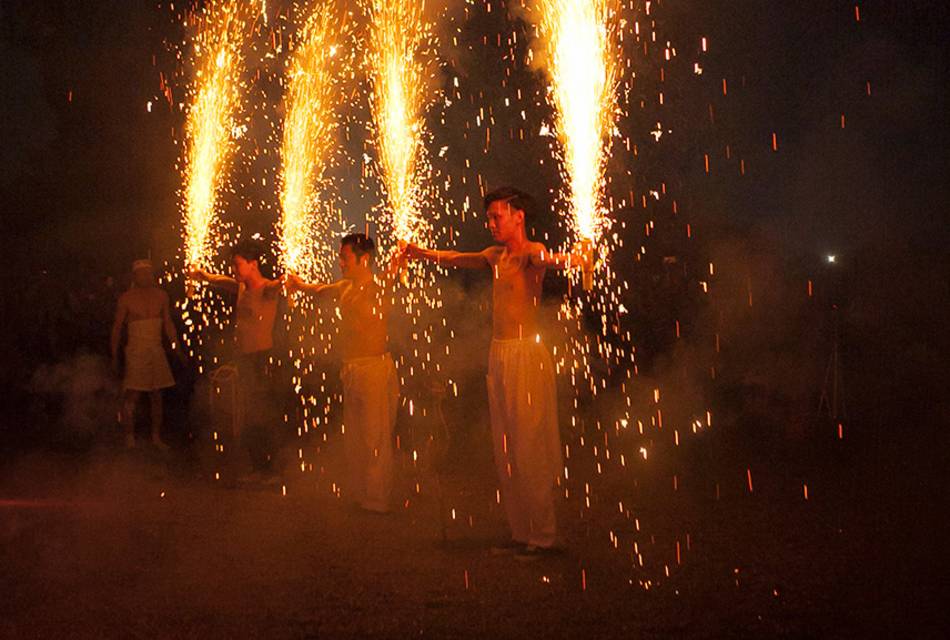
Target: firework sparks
x,y
581,61
308,139
210,121
399,65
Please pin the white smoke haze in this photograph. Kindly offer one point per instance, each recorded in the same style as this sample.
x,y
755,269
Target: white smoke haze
x,y
85,391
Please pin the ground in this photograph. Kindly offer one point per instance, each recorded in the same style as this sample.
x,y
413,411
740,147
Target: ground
x,y
112,544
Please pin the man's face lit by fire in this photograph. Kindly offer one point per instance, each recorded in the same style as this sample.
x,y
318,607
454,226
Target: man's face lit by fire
x,y
243,269
350,263
504,221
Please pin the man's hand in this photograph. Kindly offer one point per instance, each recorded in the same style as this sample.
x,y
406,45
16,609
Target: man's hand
x,y
200,275
397,262
409,251
582,255
292,282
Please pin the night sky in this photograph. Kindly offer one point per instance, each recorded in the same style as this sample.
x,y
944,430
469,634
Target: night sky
x,y
86,165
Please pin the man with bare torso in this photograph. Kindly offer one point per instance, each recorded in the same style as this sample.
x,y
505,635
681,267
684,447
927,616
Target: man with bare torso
x,y
370,384
143,309
521,387
256,312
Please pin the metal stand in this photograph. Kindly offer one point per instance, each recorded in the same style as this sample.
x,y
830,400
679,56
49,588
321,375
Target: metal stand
x,y
832,391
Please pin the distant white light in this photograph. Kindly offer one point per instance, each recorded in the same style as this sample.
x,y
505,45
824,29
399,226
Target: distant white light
x,y
831,258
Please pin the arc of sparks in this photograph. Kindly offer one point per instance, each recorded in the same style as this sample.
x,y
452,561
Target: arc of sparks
x,y
399,67
582,57
308,138
216,91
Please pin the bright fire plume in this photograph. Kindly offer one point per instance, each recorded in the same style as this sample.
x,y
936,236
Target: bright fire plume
x,y
582,63
216,91
399,68
308,138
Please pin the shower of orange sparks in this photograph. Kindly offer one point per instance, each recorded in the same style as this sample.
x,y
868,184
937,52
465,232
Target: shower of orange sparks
x,y
209,126
579,40
308,138
399,66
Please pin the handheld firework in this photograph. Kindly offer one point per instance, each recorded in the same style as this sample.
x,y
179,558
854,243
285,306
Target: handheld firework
x,y
579,39
215,94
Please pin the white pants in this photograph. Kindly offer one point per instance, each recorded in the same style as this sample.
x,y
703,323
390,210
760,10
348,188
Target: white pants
x,y
370,400
522,399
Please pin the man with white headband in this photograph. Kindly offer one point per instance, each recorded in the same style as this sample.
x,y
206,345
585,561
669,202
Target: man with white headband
x,y
144,310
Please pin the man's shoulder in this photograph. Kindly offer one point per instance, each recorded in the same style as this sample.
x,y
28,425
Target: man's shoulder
x,y
493,252
536,247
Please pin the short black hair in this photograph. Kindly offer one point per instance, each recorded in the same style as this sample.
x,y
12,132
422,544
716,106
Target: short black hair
x,y
515,197
250,249
360,243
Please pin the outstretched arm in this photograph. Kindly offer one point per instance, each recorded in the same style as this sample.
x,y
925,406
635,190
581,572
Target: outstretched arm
x,y
449,258
293,282
225,283
541,257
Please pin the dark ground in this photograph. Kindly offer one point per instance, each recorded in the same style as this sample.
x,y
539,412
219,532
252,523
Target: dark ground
x,y
111,544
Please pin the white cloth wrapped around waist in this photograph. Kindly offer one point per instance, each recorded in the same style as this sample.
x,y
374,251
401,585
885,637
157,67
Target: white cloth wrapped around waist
x,y
146,367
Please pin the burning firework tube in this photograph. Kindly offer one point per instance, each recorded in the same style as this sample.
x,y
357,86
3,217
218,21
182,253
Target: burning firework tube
x,y
291,295
579,38
307,143
587,263
403,265
213,101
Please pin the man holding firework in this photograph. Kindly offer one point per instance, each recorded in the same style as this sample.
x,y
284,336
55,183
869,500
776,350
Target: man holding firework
x,y
256,311
370,384
522,396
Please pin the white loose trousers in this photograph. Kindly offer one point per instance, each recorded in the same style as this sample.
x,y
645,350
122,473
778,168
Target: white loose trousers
x,y
370,400
522,399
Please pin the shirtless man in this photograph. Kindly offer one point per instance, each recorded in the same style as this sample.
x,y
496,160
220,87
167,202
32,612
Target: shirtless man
x,y
144,310
256,311
521,388
370,385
